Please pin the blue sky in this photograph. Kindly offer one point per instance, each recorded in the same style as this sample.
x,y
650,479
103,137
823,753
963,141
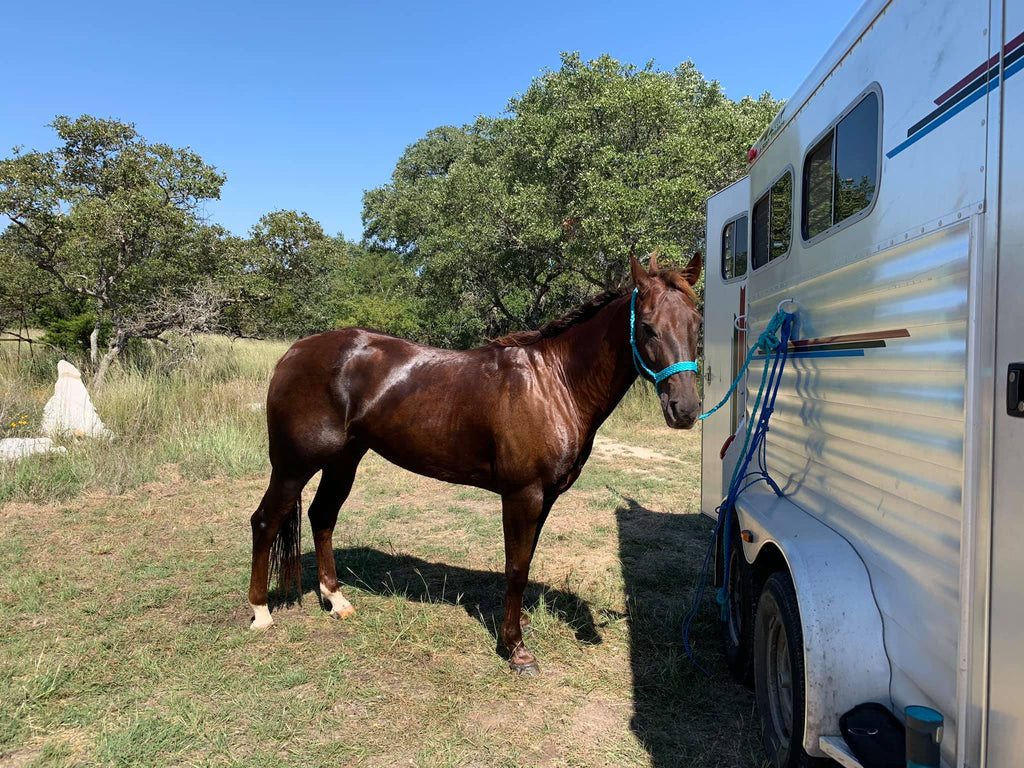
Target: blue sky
x,y
304,105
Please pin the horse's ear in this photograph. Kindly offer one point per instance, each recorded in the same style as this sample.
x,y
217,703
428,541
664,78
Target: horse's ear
x,y
692,271
640,277
652,268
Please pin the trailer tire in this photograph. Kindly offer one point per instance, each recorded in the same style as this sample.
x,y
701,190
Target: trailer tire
x,y
738,624
779,673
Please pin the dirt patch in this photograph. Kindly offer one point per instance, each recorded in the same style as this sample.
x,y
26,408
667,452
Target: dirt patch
x,y
606,448
599,719
20,757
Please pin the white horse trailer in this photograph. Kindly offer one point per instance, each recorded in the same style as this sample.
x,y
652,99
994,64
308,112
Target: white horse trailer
x,y
886,200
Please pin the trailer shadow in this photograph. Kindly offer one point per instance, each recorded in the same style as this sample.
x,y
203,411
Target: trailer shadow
x,y
680,716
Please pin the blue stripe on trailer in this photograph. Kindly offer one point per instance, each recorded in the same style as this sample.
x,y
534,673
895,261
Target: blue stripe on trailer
x,y
827,353
994,83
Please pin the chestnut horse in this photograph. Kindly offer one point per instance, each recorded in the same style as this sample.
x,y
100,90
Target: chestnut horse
x,y
516,417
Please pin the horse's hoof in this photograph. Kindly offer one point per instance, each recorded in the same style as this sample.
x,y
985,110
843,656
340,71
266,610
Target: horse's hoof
x,y
261,617
336,603
531,669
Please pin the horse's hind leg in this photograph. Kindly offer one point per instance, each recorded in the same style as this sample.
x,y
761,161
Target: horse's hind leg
x,y
335,484
522,515
278,502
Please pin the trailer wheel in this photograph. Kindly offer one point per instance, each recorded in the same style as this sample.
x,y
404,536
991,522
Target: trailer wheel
x,y
779,673
738,624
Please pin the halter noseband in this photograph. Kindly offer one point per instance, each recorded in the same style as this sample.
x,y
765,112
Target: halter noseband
x,y
638,362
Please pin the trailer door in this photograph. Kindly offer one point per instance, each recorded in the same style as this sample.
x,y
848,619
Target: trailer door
x,y
725,344
1006,660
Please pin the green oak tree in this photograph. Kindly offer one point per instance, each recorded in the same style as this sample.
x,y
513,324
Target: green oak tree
x,y
295,280
113,219
512,220
284,270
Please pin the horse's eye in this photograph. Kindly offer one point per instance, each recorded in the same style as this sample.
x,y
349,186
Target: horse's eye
x,y
649,331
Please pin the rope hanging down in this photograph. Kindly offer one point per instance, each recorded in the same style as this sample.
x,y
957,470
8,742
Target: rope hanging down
x,y
774,343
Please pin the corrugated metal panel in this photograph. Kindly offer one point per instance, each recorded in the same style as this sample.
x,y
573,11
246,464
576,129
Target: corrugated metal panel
x,y
873,444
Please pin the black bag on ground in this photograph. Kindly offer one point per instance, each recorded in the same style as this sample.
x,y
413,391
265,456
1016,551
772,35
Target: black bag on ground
x,y
874,735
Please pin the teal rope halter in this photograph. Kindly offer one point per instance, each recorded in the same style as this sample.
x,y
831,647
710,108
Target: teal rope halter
x,y
639,364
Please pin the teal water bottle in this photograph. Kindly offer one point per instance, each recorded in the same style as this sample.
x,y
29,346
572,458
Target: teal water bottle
x,y
924,734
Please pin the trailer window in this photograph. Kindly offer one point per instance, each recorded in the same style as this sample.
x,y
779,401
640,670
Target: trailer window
x,y
817,212
857,158
782,216
841,172
759,232
734,249
772,226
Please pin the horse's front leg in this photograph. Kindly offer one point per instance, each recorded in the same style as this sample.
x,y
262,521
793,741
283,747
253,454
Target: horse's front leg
x,y
522,515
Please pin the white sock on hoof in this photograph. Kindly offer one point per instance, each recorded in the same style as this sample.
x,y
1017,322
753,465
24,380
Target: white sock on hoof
x,y
261,616
340,607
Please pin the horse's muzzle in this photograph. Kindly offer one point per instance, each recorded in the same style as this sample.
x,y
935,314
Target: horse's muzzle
x,y
678,415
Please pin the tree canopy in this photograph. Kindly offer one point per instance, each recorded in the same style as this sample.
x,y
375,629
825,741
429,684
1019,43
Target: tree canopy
x,y
484,228
111,220
511,220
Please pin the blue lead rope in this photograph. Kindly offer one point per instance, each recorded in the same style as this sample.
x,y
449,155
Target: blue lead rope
x,y
774,343
767,341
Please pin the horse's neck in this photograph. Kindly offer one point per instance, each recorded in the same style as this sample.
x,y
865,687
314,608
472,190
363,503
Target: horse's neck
x,y
597,362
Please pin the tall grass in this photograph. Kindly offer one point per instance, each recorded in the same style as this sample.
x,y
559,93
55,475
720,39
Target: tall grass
x,y
200,414
198,418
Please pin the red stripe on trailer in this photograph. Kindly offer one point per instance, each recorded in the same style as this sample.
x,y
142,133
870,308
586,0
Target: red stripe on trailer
x,y
980,68
898,333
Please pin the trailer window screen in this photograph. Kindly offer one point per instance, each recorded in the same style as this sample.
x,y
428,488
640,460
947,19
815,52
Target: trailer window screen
x,y
773,222
841,171
782,216
734,249
817,214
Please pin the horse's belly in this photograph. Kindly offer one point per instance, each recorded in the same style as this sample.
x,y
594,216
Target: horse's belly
x,y
467,462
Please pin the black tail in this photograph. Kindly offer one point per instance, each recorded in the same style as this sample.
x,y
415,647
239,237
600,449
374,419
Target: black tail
x,y
286,552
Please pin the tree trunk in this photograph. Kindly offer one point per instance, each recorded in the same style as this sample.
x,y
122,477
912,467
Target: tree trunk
x,y
94,341
111,354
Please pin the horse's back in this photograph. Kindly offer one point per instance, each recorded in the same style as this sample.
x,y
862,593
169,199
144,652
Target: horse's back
x,y
477,416
353,382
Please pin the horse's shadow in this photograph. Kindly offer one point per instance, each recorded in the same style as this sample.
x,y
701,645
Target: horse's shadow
x,y
480,593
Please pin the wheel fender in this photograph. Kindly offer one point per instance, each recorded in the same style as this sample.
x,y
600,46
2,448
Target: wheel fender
x,y
844,653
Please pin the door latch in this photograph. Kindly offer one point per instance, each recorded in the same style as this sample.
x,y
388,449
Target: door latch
x,y
1015,390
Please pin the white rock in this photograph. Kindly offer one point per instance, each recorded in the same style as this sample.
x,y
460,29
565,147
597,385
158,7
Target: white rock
x,y
14,448
70,410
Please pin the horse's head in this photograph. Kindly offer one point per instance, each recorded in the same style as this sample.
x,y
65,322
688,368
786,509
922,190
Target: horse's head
x,y
666,328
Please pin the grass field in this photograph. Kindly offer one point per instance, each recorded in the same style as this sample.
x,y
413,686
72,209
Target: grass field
x,y
124,622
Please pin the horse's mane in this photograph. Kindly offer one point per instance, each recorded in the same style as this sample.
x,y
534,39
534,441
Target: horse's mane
x,y
672,277
556,327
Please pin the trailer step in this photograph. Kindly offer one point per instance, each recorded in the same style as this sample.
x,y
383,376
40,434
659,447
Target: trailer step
x,y
835,747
